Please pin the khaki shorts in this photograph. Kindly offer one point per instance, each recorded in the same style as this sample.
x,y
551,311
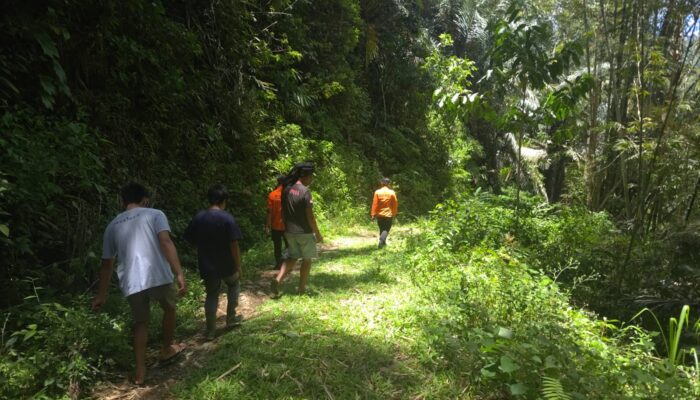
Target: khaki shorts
x,y
301,245
140,302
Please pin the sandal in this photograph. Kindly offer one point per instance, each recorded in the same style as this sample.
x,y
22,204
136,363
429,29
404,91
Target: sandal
x,y
179,348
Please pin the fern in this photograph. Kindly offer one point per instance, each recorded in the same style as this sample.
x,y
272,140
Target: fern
x,y
552,389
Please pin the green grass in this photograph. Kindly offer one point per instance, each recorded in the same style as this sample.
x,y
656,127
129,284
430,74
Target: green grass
x,y
353,336
418,322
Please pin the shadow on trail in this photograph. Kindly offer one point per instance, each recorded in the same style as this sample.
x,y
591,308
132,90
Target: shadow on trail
x,y
336,282
336,253
322,279
320,282
291,354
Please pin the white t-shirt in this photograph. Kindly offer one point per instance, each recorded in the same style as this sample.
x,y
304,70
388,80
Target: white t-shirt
x,y
132,237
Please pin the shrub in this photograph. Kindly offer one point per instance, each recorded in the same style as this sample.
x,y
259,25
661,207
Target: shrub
x,y
496,316
53,349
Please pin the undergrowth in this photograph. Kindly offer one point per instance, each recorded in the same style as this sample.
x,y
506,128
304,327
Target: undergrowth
x,y
458,306
500,316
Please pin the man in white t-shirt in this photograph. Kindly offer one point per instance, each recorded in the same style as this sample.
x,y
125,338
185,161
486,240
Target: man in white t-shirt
x,y
139,238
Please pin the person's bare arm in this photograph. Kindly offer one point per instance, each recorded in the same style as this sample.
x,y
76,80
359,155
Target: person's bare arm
x,y
106,269
236,254
268,222
373,210
170,252
312,222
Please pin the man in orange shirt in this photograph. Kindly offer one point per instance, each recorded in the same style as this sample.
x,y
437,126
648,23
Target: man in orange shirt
x,y
384,208
274,223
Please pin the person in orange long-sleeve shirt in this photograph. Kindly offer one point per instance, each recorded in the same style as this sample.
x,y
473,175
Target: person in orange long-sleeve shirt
x,y
384,208
274,223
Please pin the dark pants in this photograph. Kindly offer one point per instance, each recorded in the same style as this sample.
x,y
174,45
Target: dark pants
x,y
384,228
211,303
277,238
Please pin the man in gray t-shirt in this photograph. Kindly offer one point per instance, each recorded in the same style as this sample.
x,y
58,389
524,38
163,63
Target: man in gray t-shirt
x,y
139,238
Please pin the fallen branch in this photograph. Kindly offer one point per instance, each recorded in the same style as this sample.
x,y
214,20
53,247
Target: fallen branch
x,y
328,392
222,376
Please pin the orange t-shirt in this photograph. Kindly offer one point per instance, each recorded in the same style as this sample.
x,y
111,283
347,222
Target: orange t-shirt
x,y
274,205
384,203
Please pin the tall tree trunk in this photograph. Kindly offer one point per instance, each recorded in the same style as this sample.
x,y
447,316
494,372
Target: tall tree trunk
x,y
486,136
590,174
689,210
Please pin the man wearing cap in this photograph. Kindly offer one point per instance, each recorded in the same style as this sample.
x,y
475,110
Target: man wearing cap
x,y
274,222
301,230
384,208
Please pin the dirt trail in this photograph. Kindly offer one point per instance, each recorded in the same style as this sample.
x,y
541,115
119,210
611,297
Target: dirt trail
x,y
161,378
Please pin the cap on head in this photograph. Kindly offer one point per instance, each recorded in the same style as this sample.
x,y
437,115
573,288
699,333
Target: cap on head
x,y
385,181
305,168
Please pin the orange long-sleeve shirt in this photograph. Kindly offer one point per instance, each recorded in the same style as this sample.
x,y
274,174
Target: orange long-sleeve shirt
x,y
274,207
385,203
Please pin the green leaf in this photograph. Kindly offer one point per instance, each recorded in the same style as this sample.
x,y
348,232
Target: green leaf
x,y
487,374
48,87
47,101
61,74
505,333
551,362
5,230
9,85
517,389
508,365
11,341
47,44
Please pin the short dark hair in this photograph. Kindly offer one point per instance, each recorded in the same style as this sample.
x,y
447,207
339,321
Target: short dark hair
x,y
385,181
134,192
305,168
217,194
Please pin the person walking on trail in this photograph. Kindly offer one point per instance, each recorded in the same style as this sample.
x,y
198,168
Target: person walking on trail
x,y
301,229
384,208
274,222
216,235
148,266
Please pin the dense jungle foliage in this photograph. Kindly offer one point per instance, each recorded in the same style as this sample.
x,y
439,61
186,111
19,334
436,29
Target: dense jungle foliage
x,y
558,136
182,94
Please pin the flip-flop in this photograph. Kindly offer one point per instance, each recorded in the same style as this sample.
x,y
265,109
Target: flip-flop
x,y
168,360
274,288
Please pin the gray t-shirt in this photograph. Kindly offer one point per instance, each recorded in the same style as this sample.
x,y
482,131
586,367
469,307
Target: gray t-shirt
x,y
133,238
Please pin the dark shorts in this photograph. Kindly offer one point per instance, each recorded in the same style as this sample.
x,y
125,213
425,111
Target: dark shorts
x,y
140,303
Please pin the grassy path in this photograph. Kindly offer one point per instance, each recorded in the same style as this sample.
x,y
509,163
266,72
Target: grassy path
x,y
351,336
346,339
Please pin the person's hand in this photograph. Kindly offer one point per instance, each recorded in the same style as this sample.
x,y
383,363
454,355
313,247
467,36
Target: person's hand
x,y
373,217
181,285
97,303
267,230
